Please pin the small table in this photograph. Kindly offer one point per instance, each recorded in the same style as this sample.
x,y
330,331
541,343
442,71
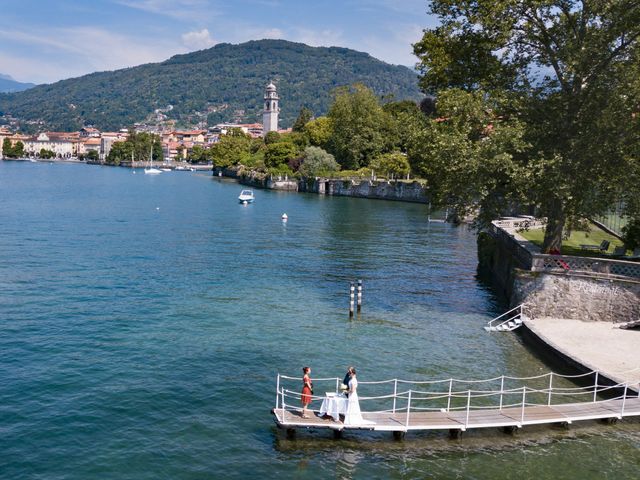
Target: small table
x,y
334,405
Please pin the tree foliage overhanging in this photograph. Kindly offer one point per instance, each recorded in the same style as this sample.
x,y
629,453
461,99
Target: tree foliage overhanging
x,y
555,86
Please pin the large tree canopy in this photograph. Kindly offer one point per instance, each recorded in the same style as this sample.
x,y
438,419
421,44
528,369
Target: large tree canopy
x,y
569,70
361,128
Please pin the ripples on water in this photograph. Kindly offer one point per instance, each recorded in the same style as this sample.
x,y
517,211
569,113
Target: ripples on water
x,y
144,320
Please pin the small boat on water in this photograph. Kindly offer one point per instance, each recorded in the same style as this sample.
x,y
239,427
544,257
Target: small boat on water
x,y
246,196
151,170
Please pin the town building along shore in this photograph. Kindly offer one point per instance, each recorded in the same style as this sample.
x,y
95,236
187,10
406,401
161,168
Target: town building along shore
x,y
176,144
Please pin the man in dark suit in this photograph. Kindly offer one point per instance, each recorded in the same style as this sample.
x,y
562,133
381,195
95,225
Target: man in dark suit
x,y
347,377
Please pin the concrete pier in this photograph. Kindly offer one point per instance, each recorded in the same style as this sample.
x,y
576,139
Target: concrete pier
x,y
590,346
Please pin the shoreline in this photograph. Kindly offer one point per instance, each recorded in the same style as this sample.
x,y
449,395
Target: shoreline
x,y
373,189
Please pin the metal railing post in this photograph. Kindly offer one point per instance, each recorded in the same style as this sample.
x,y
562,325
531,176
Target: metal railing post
x,y
501,390
466,421
449,397
408,410
395,393
550,387
282,403
595,387
277,390
524,395
337,384
624,398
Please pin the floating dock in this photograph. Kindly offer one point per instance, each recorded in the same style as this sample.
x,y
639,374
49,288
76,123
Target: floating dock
x,y
431,407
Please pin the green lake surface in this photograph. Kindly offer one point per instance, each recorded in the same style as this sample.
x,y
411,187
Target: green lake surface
x,y
144,320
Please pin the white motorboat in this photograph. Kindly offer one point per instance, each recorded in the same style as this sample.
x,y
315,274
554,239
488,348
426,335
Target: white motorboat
x,y
246,196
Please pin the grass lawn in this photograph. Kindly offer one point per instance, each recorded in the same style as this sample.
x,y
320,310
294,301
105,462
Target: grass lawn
x,y
577,238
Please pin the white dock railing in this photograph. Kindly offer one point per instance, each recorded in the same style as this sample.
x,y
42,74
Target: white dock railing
x,y
446,395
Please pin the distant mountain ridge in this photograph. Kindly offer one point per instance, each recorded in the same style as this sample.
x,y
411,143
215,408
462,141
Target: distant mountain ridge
x,y
8,84
222,83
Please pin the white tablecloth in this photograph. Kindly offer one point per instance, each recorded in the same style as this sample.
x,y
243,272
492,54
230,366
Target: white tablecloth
x,y
334,405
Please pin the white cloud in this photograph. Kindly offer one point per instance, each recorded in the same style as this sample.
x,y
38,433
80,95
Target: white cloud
x,y
393,46
317,38
65,52
198,40
261,33
179,9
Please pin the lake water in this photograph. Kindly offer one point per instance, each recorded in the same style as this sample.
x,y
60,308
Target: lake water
x,y
144,320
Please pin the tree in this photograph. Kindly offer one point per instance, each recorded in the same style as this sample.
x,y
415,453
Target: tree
x,y
198,154
304,117
92,155
319,131
406,121
318,163
233,148
393,165
360,127
569,69
277,154
18,150
7,148
120,152
44,153
631,234
137,147
470,155
271,137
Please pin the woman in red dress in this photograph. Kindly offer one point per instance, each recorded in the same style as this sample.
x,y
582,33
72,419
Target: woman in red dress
x,y
307,391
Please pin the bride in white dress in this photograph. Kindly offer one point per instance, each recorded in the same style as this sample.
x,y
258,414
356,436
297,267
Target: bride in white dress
x,y
353,416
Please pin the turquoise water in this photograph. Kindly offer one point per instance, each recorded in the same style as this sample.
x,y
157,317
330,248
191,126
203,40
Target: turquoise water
x,y
144,320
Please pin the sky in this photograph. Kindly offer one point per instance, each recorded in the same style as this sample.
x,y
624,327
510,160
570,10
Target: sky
x,y
43,41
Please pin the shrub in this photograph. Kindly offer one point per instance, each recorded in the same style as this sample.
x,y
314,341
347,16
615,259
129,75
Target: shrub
x,y
318,163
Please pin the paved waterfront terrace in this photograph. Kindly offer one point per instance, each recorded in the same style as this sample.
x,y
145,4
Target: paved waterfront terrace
x,y
597,346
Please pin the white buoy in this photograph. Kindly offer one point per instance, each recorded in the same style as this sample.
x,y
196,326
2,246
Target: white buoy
x,y
285,217
157,208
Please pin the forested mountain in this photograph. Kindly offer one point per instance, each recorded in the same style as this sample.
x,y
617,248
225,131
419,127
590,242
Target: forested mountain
x,y
8,84
222,83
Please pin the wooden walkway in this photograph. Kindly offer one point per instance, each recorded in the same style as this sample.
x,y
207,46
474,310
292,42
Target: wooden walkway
x,y
422,408
459,420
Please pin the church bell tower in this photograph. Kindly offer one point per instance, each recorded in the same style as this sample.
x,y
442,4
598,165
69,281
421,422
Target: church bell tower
x,y
271,110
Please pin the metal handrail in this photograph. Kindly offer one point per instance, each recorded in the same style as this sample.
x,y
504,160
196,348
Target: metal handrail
x,y
520,313
416,398
465,381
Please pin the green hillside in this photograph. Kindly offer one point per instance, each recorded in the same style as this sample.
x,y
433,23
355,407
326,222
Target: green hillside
x,y
211,84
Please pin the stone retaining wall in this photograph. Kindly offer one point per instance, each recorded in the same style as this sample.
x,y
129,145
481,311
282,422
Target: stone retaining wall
x,y
380,189
583,290
581,298
384,190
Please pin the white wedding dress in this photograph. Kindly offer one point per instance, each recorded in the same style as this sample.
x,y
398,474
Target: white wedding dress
x,y
353,416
